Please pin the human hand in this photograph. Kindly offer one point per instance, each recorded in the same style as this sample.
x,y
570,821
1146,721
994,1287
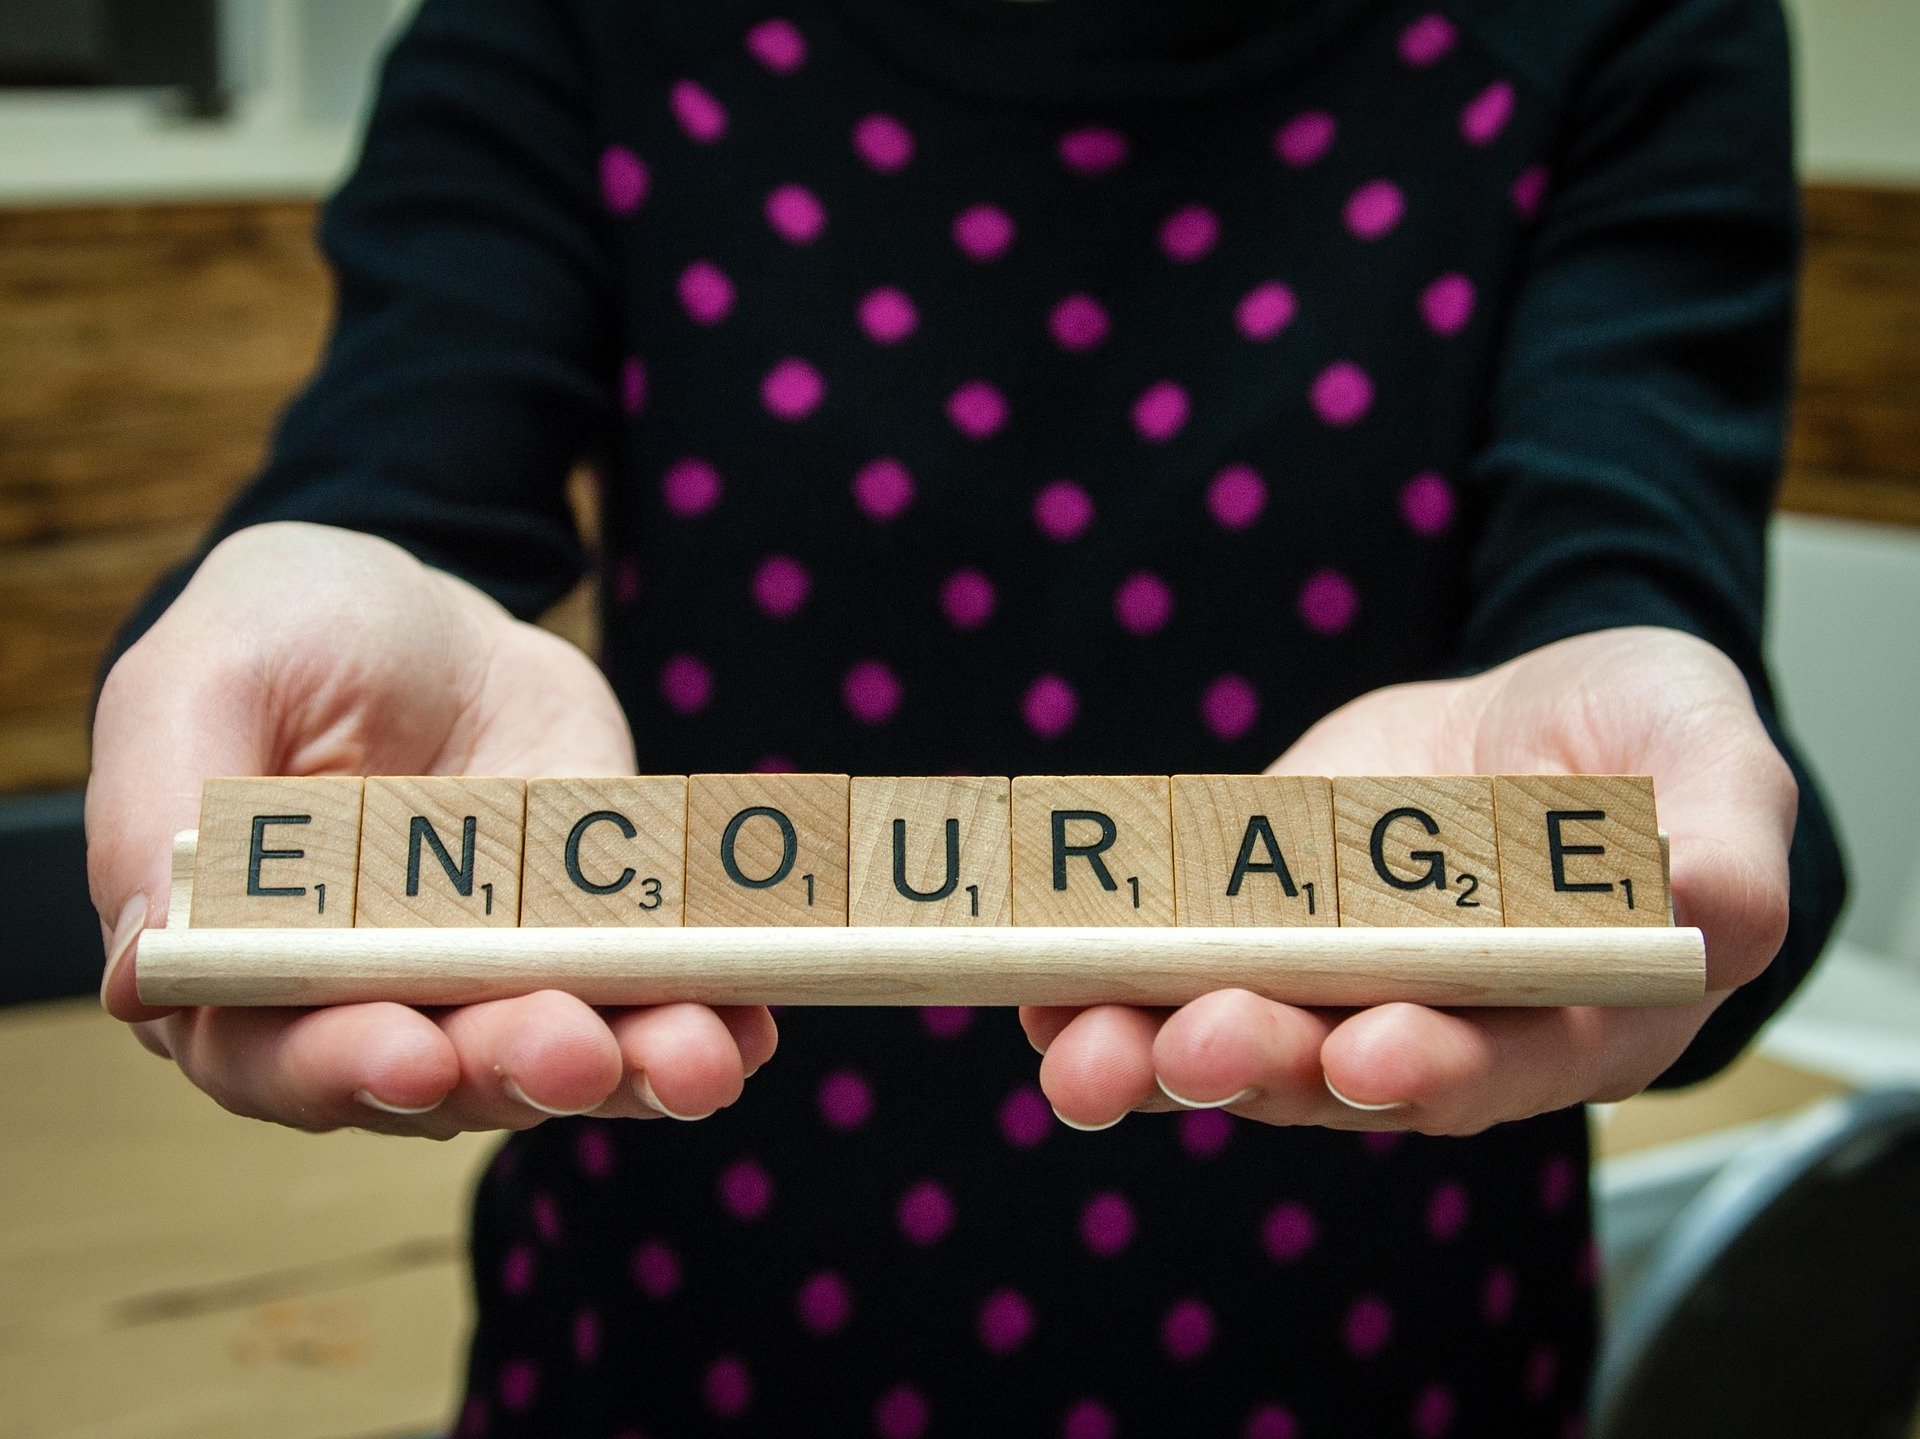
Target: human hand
x,y
305,650
1632,701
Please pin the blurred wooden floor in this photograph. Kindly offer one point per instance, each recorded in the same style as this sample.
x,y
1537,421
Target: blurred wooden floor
x,y
168,1271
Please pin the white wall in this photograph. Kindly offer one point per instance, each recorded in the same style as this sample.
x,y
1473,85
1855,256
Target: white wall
x,y
1845,649
1859,100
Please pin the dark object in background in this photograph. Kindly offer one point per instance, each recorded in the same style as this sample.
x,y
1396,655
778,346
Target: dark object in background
x,y
49,937
1782,1305
162,44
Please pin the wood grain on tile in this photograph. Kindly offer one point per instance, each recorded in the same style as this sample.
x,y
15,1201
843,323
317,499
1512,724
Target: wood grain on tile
x,y
439,852
606,851
1254,850
1092,850
767,849
930,851
276,853
1579,850
1416,851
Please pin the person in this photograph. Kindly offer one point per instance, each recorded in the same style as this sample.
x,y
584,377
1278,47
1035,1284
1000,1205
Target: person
x,y
1093,386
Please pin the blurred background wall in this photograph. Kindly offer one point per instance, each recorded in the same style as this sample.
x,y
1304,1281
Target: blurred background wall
x,y
159,299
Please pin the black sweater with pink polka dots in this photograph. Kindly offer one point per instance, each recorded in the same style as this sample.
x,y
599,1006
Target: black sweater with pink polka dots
x,y
1100,386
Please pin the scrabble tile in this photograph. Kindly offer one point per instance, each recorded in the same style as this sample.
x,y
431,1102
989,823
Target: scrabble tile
x,y
930,852
1254,850
1094,849
437,852
1580,850
277,853
767,849
1416,851
605,851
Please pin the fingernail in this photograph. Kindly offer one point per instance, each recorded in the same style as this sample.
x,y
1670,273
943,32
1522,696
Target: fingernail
x,y
514,1091
374,1101
1356,1104
126,929
645,1090
1087,1128
1186,1103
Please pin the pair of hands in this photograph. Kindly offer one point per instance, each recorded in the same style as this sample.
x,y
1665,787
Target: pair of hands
x,y
228,682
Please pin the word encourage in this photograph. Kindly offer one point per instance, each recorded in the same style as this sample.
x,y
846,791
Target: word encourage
x,y
813,850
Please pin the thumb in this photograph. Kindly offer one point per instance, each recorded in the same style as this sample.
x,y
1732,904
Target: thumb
x,y
165,723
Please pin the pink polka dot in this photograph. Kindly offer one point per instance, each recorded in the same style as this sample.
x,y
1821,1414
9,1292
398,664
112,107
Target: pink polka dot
x,y
746,1189
1342,394
983,232
690,487
686,684
925,1213
1078,323
1270,1421
888,316
1380,1141
968,599
656,1269
1289,1232
824,1304
1529,189
1374,209
1237,496
946,1021
1063,510
546,1218
1557,1183
1427,40
792,389
728,1387
977,409
1497,1295
516,1274
1006,1319
1426,503
883,488
586,1335
1368,1327
700,115
774,764
626,581
593,1151
1092,150
633,386
778,45
1266,310
1025,1117
1305,138
780,586
1050,706
1161,411
1447,304
1106,1224
519,1382
1089,1419
1187,1330
1328,602
1189,233
1543,1367
706,293
796,214
1487,113
1230,706
1433,1412
1205,1132
846,1100
900,1413
883,142
623,179
1143,604
871,692
1447,1211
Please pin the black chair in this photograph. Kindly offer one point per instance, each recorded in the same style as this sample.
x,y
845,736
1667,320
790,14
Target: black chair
x,y
49,937
1785,1301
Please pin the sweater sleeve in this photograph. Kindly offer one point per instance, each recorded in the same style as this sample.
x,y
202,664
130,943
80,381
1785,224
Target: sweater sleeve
x,y
471,358
1639,414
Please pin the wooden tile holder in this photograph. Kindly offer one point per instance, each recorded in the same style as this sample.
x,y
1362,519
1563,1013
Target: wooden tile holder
x,y
857,965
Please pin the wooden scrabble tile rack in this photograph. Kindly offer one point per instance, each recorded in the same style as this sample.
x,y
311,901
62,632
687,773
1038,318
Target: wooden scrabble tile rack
x,y
887,890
